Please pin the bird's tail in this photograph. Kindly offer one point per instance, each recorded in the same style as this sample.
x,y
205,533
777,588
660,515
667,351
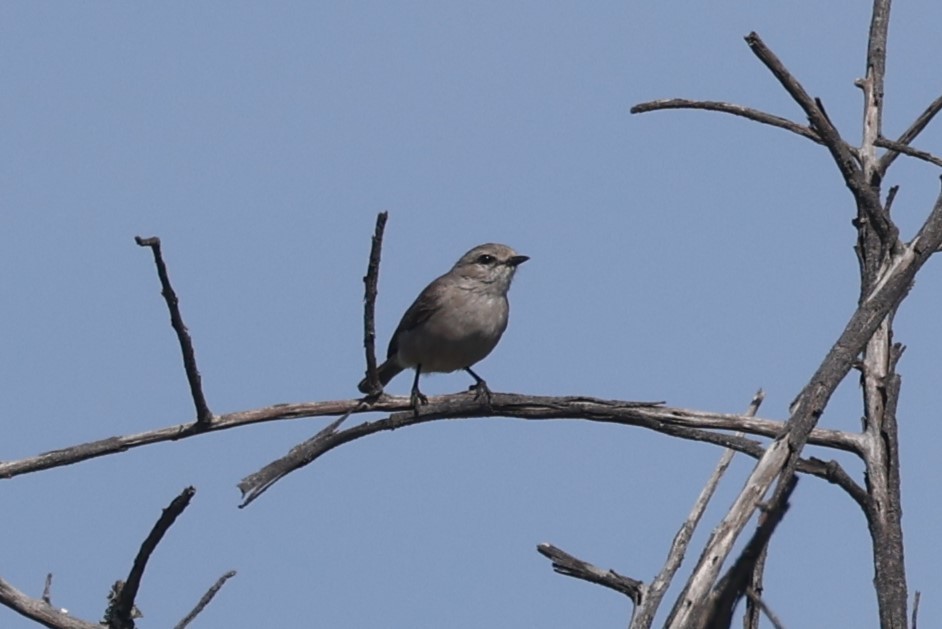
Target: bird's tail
x,y
386,372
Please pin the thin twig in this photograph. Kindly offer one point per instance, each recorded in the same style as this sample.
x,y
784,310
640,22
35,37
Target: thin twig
x,y
47,590
205,600
916,598
369,303
908,150
121,610
756,600
729,108
203,415
566,564
911,133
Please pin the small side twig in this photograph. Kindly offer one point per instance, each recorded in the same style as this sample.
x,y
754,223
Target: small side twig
x,y
39,611
566,564
756,600
203,415
916,598
256,484
912,132
120,613
908,150
47,590
205,600
369,303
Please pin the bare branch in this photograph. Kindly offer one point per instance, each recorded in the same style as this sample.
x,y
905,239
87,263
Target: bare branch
x,y
254,485
566,564
39,611
898,147
733,586
843,156
647,609
461,406
916,608
369,304
911,133
47,589
205,600
645,414
755,599
729,108
119,616
203,415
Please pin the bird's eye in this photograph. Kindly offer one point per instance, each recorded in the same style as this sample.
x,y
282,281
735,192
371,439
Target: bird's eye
x,y
486,258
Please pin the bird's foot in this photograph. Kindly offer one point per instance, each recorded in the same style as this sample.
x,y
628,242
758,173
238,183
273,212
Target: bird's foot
x,y
481,391
417,398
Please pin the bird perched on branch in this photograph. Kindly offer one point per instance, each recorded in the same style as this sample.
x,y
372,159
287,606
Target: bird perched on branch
x,y
455,322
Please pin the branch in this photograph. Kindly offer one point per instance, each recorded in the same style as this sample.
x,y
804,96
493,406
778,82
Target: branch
x,y
645,414
674,422
205,600
566,564
40,611
756,600
203,415
644,615
730,108
840,151
369,304
899,147
119,614
734,585
911,133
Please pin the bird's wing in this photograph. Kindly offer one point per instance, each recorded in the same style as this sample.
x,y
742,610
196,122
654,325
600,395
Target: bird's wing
x,y
418,313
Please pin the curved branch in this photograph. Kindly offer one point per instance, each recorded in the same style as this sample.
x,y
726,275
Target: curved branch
x,y
39,611
692,425
729,108
644,414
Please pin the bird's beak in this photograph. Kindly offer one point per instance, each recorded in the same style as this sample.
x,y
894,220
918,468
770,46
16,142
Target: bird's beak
x,y
516,260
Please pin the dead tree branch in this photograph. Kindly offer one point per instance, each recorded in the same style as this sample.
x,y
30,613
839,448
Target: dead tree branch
x,y
205,600
566,564
729,108
119,614
733,586
465,405
369,304
39,611
203,415
911,133
898,147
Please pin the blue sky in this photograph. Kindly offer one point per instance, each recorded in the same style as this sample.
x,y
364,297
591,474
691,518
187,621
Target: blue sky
x,y
678,256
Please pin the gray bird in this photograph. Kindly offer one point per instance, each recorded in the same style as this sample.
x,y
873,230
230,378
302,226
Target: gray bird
x,y
455,322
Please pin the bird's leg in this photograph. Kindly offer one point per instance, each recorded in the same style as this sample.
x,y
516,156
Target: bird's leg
x,y
417,398
479,386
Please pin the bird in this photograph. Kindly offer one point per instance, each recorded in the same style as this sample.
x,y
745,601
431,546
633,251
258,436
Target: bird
x,y
455,322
